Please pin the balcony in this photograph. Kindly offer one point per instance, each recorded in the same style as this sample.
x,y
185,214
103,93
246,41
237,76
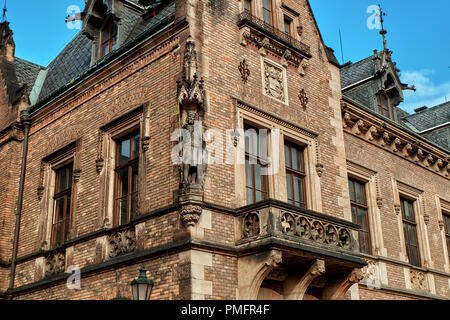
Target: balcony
x,y
280,39
309,233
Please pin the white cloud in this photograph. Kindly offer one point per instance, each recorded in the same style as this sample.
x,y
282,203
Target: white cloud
x,y
428,93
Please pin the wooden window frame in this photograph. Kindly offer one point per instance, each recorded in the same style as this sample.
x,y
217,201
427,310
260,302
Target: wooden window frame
x,y
250,2
264,178
270,12
110,23
62,194
296,173
413,223
445,216
131,189
287,21
364,206
381,96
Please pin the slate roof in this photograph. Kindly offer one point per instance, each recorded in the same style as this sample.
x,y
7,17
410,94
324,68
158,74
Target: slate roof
x,y
26,72
354,72
429,118
75,58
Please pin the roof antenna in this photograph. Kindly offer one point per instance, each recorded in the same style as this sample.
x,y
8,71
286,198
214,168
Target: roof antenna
x,y
383,32
4,13
342,49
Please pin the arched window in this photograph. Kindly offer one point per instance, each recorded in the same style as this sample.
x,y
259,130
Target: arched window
x,y
108,38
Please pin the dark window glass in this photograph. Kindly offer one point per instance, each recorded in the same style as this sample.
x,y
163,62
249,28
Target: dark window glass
x,y
267,11
360,213
287,25
383,106
248,5
127,169
446,217
410,231
295,174
62,204
108,37
257,188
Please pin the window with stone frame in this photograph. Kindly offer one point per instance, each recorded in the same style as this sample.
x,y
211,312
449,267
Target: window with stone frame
x,y
410,231
295,174
126,178
446,218
267,9
62,204
257,184
108,37
360,213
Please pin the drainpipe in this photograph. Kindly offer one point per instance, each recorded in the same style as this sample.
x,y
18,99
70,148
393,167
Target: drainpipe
x,y
26,121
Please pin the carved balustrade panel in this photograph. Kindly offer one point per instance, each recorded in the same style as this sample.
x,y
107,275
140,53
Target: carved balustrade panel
x,y
121,242
55,262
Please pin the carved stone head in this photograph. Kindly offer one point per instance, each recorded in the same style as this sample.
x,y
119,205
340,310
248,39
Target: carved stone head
x,y
191,117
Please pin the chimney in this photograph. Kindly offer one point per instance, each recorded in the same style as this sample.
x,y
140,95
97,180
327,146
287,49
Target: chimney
x,y
7,45
420,109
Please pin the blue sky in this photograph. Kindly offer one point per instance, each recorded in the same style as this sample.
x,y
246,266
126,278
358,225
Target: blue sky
x,y
418,34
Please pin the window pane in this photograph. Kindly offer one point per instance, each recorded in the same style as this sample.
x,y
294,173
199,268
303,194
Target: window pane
x,y
358,192
259,196
136,146
447,224
123,182
351,190
70,173
62,176
248,174
134,198
249,196
364,242
267,16
362,219
134,175
414,258
114,36
299,189
287,26
247,5
124,152
412,235
59,210
287,158
354,216
258,183
123,209
289,186
299,160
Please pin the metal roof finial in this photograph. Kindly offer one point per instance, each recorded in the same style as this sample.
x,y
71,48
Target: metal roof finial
x,y
383,32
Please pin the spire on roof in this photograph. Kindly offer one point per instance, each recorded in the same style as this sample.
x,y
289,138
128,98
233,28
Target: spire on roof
x,y
383,32
4,12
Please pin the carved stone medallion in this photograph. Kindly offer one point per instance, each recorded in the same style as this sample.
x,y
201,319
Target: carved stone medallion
x,y
273,81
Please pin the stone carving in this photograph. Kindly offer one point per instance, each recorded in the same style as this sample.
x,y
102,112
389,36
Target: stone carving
x,y
145,143
301,67
397,209
244,34
122,242
193,167
355,276
264,44
99,165
317,268
251,225
441,224
191,97
303,98
76,175
273,81
244,70
55,263
379,202
371,275
190,214
319,169
418,280
315,230
378,133
40,192
287,55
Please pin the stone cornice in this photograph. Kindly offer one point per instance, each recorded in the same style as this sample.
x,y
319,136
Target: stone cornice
x,y
362,124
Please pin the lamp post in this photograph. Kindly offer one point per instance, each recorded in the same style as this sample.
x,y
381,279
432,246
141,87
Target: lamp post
x,y
141,287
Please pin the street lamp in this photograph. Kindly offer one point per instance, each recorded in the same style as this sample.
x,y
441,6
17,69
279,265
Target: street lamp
x,y
141,287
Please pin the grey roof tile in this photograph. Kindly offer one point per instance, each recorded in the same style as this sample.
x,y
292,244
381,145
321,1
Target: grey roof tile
x,y
429,118
355,72
26,72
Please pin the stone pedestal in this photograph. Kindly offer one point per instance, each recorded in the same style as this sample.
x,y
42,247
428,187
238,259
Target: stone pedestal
x,y
191,199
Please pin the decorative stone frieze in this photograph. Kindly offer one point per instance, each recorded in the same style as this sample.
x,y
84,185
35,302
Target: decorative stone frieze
x,y
316,230
121,242
394,140
418,280
55,263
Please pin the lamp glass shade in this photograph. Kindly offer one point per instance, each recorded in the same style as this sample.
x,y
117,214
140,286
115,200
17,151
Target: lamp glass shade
x,y
141,287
